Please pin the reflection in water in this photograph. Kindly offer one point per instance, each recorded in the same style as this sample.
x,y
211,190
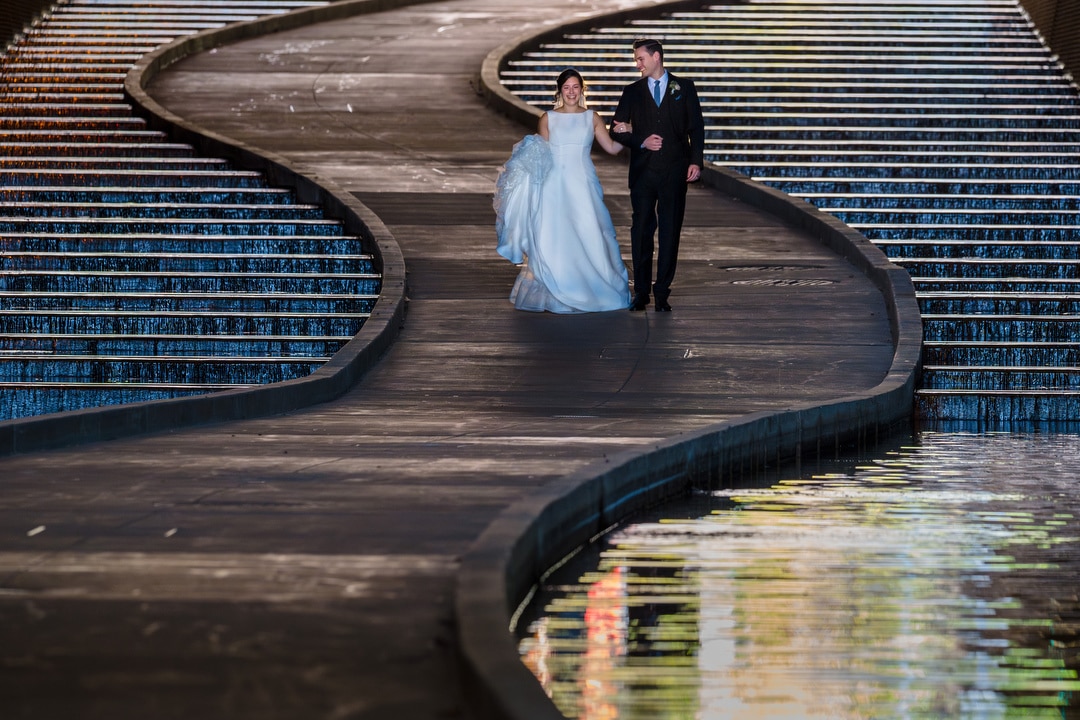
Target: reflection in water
x,y
936,581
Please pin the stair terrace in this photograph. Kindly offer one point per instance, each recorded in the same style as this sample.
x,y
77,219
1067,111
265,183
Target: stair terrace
x,y
130,267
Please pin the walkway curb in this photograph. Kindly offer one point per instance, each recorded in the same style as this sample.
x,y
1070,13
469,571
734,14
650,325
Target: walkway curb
x,y
504,566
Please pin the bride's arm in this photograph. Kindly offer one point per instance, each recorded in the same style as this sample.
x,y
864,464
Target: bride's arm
x,y
603,137
542,127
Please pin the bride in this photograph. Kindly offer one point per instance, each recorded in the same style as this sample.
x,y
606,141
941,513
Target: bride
x,y
551,217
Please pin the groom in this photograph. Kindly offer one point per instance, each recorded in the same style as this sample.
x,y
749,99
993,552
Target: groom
x,y
667,148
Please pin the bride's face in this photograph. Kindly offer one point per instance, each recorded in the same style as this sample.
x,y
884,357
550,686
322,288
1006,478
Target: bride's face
x,y
571,92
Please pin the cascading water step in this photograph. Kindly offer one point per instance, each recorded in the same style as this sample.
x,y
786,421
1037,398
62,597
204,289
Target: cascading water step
x,y
55,123
997,303
59,195
43,397
53,111
838,133
1020,170
991,377
137,178
1015,248
912,203
1015,354
809,157
975,234
132,210
63,290
207,293
1000,328
167,225
919,217
1045,407
220,346
199,244
106,166
120,265
1004,283
149,370
64,137
869,189
14,152
196,322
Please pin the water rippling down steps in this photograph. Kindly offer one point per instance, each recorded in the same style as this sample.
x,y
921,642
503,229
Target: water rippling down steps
x,y
943,130
130,268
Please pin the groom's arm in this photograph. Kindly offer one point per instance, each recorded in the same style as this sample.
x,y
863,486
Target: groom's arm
x,y
695,124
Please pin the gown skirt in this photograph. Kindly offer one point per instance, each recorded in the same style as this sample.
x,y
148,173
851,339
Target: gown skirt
x,y
551,219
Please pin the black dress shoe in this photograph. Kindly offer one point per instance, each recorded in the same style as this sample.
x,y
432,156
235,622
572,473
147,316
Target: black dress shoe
x,y
639,303
662,306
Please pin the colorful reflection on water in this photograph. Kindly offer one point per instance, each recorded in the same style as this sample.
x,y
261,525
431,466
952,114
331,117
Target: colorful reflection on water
x,y
939,580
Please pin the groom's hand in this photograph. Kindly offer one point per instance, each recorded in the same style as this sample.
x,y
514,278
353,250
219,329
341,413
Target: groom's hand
x,y
693,173
653,142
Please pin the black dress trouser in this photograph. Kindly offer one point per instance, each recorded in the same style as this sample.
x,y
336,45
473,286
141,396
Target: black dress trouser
x,y
658,199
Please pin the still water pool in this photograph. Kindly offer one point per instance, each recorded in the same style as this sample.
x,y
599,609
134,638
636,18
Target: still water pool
x,y
939,579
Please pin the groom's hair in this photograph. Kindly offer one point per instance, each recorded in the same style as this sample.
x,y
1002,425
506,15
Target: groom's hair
x,y
651,46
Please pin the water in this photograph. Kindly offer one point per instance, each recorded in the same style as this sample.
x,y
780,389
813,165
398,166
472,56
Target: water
x,y
937,579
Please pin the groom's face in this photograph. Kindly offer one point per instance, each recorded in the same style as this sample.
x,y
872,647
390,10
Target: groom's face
x,y
647,62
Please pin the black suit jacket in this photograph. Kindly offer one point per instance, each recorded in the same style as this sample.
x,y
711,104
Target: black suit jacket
x,y
678,121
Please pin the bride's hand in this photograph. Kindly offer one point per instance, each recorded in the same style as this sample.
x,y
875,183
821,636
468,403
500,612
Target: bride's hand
x,y
622,127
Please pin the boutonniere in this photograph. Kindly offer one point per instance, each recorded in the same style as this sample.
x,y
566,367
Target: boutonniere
x,y
674,88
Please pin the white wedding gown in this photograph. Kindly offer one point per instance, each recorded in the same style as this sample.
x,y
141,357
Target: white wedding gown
x,y
550,215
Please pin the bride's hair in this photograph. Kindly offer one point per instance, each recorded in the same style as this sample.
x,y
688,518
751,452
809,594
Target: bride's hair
x,y
563,77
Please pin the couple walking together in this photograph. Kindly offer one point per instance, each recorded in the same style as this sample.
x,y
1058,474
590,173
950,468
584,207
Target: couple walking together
x,y
550,212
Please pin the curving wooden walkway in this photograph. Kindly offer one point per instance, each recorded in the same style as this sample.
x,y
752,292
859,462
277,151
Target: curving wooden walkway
x,y
302,566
